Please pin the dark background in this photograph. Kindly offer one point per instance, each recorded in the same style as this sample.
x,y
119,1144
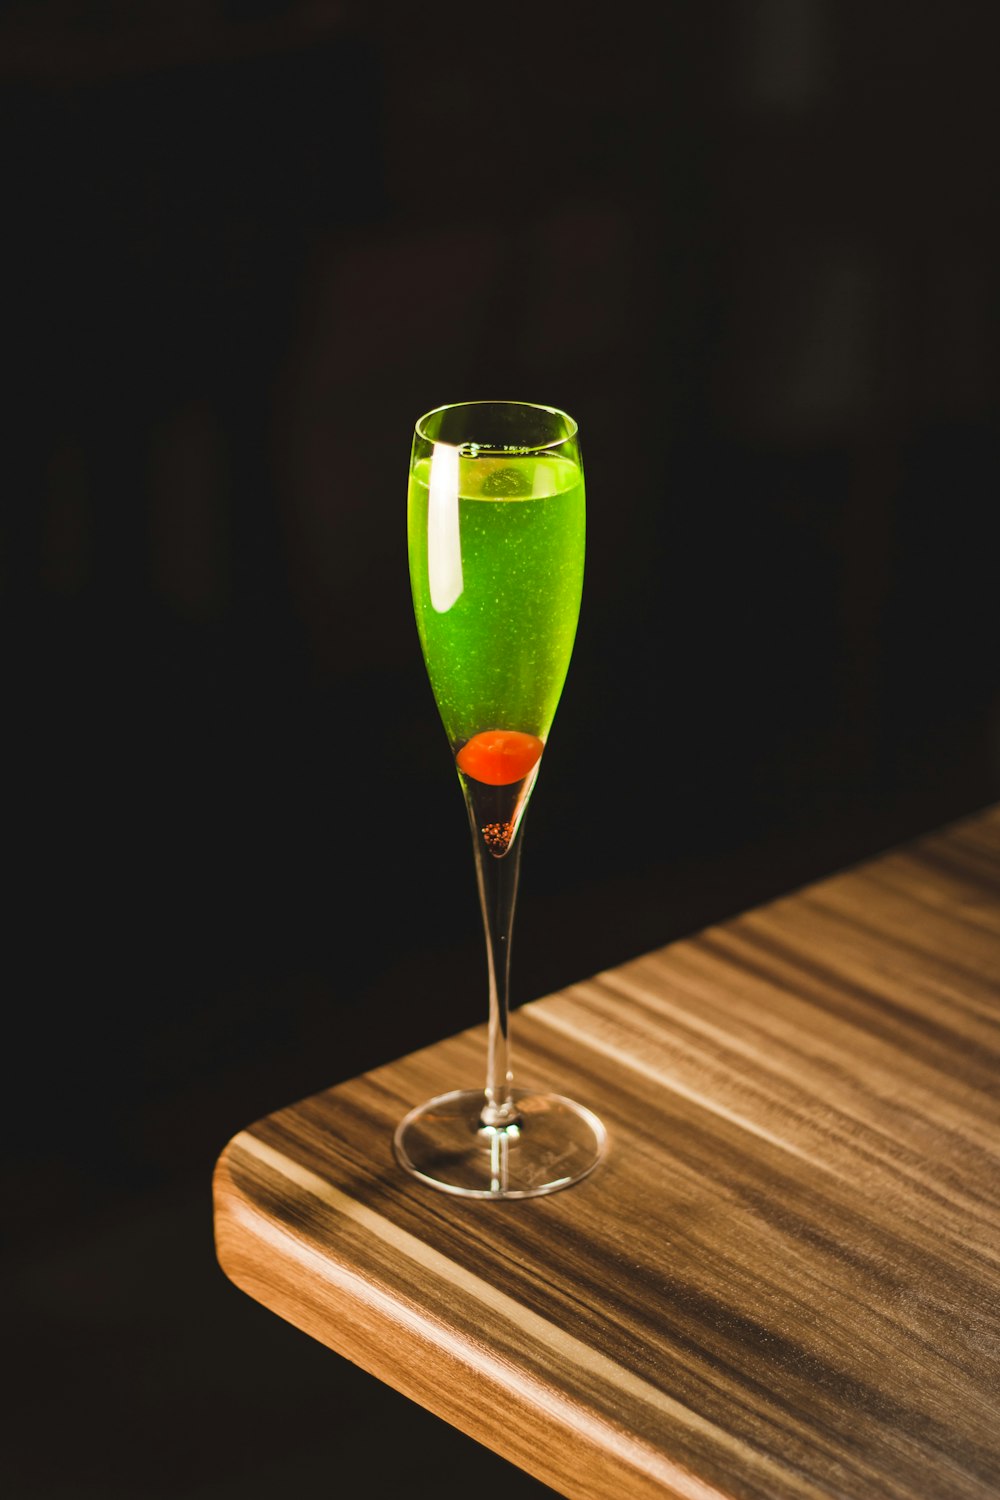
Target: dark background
x,y
752,248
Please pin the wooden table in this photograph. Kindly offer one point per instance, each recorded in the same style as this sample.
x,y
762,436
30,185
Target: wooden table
x,y
782,1281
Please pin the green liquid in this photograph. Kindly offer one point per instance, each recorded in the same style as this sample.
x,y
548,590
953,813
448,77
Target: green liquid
x,y
496,566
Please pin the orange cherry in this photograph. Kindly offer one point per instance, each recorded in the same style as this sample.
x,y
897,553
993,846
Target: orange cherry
x,y
499,756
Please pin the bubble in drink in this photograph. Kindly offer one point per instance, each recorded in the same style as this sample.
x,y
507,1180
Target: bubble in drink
x,y
506,482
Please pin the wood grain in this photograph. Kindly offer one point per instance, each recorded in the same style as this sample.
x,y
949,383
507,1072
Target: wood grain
x,y
784,1280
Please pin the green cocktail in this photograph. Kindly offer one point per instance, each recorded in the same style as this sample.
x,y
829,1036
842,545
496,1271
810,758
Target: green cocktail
x,y
496,546
496,536
498,652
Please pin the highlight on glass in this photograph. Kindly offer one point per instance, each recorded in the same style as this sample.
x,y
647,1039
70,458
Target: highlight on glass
x,y
496,527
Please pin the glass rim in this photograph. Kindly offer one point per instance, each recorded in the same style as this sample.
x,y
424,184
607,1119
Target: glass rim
x,y
572,427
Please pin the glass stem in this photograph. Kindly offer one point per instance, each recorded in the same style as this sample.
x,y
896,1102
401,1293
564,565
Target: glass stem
x,y
497,879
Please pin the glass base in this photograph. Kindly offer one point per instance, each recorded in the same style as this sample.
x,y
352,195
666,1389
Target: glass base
x,y
548,1143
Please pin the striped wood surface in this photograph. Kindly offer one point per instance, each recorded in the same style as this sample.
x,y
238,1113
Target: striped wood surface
x,y
783,1280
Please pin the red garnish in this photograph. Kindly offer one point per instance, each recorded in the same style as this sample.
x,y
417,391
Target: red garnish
x,y
499,756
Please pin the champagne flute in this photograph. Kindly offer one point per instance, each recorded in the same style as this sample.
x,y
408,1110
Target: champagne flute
x,y
496,531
